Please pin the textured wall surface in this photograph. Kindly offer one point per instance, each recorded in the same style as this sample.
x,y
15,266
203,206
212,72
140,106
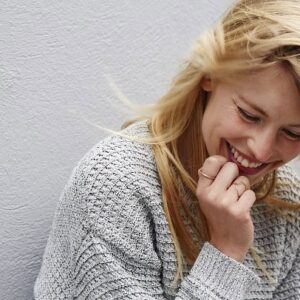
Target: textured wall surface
x,y
54,61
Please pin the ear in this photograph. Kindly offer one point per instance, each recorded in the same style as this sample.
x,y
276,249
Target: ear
x,y
206,84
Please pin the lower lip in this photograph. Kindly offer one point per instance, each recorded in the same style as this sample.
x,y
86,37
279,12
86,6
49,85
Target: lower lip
x,y
244,170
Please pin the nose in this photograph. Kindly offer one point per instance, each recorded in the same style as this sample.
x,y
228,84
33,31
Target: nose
x,y
262,145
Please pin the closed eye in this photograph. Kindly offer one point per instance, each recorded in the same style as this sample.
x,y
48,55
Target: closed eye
x,y
247,116
291,135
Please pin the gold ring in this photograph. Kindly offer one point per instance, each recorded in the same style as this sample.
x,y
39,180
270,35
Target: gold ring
x,y
236,184
205,175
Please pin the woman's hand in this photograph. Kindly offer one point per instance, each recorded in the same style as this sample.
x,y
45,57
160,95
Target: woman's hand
x,y
226,200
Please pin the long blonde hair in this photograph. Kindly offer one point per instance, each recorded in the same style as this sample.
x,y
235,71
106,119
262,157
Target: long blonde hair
x,y
254,34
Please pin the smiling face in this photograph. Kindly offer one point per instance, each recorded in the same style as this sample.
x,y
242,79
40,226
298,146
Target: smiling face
x,y
253,120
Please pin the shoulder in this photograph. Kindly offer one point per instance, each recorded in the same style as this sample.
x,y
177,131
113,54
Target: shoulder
x,y
114,193
119,163
287,184
117,158
117,179
118,147
107,209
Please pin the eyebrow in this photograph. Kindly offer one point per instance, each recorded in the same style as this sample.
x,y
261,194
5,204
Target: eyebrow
x,y
254,106
294,125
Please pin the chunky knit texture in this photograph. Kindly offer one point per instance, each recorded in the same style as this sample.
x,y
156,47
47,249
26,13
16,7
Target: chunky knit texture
x,y
110,238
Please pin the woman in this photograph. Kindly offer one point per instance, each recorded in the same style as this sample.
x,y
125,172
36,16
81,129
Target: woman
x,y
192,201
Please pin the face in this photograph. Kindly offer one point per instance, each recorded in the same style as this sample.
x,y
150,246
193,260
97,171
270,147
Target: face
x,y
253,120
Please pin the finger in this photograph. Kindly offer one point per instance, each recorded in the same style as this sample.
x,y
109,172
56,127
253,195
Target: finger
x,y
237,188
241,184
246,201
243,180
228,173
231,196
211,167
202,173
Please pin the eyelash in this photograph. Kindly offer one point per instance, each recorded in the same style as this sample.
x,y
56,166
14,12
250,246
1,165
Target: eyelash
x,y
253,119
248,117
292,136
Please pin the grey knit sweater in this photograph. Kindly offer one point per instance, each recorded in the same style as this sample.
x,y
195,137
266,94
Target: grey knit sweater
x,y
110,238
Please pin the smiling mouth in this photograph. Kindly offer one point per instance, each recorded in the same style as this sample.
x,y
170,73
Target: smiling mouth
x,y
243,163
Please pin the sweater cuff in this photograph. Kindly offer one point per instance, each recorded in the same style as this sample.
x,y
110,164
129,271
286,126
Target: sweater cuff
x,y
221,275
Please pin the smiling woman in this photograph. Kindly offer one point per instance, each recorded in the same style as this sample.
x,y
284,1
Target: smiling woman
x,y
193,198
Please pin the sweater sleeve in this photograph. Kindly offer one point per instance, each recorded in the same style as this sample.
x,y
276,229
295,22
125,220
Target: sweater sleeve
x,y
289,283
102,243
290,287
217,276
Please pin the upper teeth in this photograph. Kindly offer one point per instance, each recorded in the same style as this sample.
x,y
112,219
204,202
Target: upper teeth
x,y
244,161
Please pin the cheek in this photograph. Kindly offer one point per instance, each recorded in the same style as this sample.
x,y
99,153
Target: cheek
x,y
289,150
223,121
231,126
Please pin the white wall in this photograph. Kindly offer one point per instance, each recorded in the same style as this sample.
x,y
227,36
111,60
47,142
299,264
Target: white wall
x,y
53,58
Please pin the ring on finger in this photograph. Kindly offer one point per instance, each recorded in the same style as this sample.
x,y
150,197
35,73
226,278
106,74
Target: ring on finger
x,y
238,190
205,175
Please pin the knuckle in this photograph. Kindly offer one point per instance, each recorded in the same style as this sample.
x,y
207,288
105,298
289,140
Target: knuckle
x,y
245,181
240,216
199,193
233,212
202,194
211,160
214,159
243,217
206,196
250,194
223,205
233,167
212,195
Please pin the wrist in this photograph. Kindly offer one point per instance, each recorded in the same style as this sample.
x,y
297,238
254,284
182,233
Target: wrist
x,y
232,252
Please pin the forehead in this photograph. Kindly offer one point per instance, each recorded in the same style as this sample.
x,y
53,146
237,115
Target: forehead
x,y
273,88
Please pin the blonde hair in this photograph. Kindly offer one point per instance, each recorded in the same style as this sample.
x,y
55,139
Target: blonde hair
x,y
253,35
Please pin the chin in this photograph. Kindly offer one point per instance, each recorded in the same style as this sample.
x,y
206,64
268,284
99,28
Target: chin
x,y
257,178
